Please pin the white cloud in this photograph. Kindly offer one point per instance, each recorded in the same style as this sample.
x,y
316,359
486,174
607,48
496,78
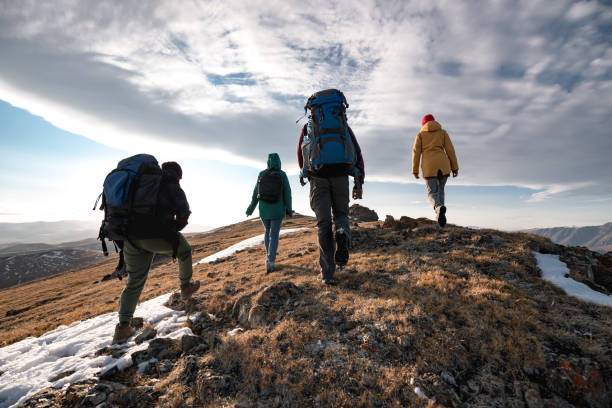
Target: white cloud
x,y
522,89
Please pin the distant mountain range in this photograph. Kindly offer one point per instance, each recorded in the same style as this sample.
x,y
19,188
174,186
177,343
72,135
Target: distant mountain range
x,y
596,238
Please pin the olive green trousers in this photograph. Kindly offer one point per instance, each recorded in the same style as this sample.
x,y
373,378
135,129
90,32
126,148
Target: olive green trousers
x,y
138,255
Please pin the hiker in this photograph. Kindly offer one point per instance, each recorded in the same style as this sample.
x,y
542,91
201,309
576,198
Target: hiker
x,y
140,248
273,193
327,153
439,160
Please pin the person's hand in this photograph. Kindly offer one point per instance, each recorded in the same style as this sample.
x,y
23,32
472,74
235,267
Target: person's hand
x,y
416,175
248,214
455,173
357,192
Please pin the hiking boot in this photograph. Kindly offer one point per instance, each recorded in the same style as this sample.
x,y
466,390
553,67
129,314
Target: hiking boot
x,y
188,289
327,281
123,331
342,248
442,216
270,266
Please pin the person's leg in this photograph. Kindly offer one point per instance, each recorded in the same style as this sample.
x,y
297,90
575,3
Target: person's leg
x,y
137,261
340,210
275,226
320,202
185,262
441,185
442,208
433,193
266,224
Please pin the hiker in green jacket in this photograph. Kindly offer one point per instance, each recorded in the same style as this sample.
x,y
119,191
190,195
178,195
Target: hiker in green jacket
x,y
273,193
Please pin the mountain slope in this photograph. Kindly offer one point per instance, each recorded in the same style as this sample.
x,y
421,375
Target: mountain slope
x,y
597,238
421,317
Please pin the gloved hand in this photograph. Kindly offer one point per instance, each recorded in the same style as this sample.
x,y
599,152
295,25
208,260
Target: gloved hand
x,y
357,190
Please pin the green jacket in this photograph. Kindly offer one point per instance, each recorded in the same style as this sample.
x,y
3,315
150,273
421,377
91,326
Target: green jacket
x,y
271,211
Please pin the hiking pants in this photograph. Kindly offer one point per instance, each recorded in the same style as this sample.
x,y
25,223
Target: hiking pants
x,y
329,197
271,237
138,259
435,191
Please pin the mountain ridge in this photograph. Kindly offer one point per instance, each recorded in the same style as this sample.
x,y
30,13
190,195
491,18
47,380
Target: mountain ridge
x,y
422,316
597,237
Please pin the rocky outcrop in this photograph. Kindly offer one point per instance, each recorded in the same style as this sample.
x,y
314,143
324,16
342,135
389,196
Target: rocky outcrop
x,y
265,307
360,213
591,268
403,223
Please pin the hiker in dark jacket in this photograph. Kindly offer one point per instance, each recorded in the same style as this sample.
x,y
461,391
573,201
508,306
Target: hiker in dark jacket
x,y
272,213
329,199
173,210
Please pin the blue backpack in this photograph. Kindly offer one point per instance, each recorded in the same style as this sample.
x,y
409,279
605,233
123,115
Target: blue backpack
x,y
129,200
327,148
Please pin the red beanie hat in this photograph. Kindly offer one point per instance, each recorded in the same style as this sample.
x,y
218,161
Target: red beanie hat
x,y
427,118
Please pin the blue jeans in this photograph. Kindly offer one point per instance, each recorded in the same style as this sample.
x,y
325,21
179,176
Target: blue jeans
x,y
271,237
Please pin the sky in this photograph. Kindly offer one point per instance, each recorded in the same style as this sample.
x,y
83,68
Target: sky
x,y
522,87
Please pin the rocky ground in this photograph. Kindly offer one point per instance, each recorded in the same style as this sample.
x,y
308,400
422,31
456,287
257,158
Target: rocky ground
x,y
422,316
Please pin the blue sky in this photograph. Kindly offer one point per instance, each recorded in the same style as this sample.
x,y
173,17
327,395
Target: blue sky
x,y
522,87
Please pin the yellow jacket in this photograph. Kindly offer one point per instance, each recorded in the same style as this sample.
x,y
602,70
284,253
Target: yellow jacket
x,y
438,152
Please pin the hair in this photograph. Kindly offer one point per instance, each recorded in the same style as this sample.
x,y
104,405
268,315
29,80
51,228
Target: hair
x,y
173,166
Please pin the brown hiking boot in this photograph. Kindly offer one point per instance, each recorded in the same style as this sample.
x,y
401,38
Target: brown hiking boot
x,y
188,289
123,331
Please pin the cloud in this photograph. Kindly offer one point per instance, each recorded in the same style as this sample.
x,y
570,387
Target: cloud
x,y
522,89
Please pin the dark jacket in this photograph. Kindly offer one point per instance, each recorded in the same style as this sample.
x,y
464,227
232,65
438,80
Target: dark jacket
x,y
173,208
273,211
359,164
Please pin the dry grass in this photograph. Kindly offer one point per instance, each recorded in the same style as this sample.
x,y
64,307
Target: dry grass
x,y
411,307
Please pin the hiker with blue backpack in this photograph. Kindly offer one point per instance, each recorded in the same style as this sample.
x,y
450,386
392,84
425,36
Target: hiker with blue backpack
x,y
327,153
144,210
439,160
273,193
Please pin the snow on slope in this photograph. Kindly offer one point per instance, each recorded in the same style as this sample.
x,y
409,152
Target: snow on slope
x,y
247,243
554,271
28,366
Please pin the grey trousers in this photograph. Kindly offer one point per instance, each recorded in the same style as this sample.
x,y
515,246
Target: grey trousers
x,y
329,199
435,191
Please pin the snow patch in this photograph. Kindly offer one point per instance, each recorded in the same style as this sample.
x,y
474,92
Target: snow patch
x,y
554,271
29,365
247,243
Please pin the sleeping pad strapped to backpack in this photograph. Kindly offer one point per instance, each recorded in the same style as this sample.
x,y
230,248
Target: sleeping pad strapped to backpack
x,y
327,147
129,201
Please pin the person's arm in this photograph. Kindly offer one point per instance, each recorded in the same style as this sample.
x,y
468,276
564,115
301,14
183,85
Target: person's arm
x,y
360,164
182,209
254,200
416,155
450,152
298,153
287,195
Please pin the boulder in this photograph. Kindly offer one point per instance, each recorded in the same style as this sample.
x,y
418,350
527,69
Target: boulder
x,y
160,349
265,307
403,223
361,213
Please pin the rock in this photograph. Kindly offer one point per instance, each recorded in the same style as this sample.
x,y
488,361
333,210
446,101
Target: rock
x,y
532,398
61,375
202,323
266,306
159,348
448,377
401,224
188,342
147,334
210,385
111,351
175,302
361,213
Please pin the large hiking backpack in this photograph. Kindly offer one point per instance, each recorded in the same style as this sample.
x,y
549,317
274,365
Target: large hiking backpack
x,y
327,145
270,186
129,200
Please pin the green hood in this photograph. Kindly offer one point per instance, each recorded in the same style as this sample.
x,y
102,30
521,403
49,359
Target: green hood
x,y
274,161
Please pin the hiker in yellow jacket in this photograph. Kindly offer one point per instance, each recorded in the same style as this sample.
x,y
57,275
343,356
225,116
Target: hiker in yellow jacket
x,y
439,160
